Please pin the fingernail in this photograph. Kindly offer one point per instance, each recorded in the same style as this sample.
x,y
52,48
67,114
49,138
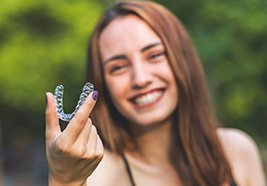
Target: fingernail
x,y
45,98
95,95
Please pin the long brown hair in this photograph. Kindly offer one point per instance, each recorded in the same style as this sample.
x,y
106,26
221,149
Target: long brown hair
x,y
197,154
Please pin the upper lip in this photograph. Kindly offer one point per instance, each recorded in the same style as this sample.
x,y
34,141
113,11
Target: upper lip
x,y
131,98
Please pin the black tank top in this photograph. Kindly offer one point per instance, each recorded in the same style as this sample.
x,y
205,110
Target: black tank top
x,y
130,175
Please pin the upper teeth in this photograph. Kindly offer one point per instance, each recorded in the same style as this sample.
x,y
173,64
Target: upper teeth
x,y
148,98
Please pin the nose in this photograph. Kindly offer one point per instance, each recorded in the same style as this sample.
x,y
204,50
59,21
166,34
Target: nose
x,y
141,76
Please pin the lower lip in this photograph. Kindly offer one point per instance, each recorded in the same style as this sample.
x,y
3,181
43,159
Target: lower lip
x,y
145,106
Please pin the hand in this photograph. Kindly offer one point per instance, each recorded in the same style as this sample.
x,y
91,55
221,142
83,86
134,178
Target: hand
x,y
72,154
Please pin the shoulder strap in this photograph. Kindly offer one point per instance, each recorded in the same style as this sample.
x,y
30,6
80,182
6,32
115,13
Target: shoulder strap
x,y
128,169
233,183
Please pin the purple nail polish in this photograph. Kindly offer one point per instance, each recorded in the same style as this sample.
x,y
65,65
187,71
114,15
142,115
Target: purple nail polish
x,y
95,95
45,98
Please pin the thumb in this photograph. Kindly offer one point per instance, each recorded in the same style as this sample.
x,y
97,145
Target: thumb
x,y
52,122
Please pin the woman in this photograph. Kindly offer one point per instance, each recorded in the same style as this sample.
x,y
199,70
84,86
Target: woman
x,y
153,112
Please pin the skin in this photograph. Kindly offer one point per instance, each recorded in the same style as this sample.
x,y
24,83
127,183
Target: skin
x,y
243,156
72,154
136,66
137,72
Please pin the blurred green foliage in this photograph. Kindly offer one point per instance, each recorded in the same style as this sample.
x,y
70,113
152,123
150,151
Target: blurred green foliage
x,y
43,44
231,38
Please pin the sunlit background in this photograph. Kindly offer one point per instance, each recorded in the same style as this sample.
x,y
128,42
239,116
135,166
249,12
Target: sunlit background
x,y
44,43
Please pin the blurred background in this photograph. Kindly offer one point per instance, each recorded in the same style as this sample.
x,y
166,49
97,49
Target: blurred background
x,y
44,43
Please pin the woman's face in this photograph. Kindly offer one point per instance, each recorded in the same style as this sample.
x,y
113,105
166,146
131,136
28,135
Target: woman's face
x,y
137,73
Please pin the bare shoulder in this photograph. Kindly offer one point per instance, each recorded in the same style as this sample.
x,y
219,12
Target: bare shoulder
x,y
110,171
236,140
243,156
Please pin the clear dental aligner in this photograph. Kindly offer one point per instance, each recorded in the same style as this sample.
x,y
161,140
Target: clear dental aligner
x,y
87,89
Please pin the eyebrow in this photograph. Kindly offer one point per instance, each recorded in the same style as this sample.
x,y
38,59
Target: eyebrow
x,y
121,56
150,46
114,58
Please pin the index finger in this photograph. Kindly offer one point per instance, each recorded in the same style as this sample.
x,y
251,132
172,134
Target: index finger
x,y
77,123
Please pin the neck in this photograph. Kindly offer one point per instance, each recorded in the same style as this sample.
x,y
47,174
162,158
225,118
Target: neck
x,y
153,143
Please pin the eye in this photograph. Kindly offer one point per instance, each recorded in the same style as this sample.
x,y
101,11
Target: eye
x,y
156,56
115,68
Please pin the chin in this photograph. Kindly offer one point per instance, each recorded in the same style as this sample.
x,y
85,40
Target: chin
x,y
151,120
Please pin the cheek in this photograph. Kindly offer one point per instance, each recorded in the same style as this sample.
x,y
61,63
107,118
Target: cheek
x,y
117,88
166,71
112,89
170,78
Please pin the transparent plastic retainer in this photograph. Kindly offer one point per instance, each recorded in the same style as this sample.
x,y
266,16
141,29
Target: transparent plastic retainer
x,y
87,89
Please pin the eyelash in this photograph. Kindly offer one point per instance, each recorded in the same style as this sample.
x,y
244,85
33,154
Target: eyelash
x,y
115,68
157,55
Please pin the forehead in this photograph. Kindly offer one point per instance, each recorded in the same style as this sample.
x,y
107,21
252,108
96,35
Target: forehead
x,y
126,32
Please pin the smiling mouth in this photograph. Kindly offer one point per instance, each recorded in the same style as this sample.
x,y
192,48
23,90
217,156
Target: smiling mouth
x,y
148,98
